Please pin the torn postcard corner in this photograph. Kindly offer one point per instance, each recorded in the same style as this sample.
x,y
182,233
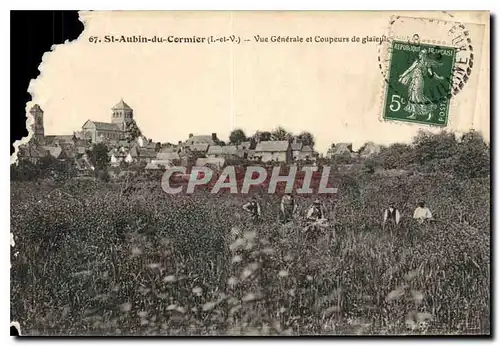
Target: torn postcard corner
x,y
17,326
33,109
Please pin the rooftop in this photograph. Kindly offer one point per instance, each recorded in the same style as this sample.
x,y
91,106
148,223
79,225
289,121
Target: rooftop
x,y
121,106
272,146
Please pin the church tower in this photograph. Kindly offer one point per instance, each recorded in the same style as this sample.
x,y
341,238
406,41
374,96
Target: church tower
x,y
38,129
122,114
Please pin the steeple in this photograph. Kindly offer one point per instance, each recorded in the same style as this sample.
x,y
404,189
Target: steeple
x,y
38,128
122,114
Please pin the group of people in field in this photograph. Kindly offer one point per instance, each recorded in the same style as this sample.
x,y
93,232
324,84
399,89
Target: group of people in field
x,y
316,215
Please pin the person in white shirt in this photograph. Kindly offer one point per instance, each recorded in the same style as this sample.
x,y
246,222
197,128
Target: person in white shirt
x,y
288,207
315,211
316,222
422,213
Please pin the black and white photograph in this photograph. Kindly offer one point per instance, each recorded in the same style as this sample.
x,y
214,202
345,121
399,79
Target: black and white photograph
x,y
274,173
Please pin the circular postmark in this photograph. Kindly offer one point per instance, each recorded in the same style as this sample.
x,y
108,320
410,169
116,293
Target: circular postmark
x,y
445,63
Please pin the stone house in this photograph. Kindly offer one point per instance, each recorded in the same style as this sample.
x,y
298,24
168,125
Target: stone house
x,y
228,151
340,149
201,140
32,153
369,149
273,151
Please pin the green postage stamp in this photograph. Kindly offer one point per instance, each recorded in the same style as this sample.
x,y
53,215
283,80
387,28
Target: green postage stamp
x,y
419,83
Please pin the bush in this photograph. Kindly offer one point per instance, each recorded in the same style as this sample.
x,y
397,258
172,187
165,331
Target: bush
x,y
396,156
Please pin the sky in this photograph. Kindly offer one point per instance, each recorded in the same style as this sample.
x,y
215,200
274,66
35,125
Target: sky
x,y
335,91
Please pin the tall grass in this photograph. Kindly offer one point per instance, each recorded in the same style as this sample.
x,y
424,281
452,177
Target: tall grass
x,y
96,263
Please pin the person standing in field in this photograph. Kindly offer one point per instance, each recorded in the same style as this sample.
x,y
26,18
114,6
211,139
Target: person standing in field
x,y
422,213
316,222
253,208
392,216
288,207
315,212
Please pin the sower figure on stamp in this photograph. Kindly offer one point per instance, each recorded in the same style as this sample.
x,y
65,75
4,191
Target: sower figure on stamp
x,y
415,78
253,208
288,208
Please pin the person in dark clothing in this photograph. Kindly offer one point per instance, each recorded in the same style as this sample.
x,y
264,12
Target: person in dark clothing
x,y
253,208
288,207
392,217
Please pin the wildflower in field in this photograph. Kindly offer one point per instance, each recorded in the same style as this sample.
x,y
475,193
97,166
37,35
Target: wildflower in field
x,y
249,297
172,307
142,314
423,316
136,251
169,278
283,273
309,278
254,266
245,273
236,259
250,235
197,291
235,232
268,251
154,265
411,274
234,309
232,281
237,244
125,307
417,296
208,306
395,294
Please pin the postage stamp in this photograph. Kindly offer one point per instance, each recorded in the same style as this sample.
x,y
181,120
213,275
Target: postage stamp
x,y
419,83
425,63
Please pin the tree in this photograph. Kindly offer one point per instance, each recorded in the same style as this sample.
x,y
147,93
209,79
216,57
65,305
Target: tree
x,y
430,147
306,138
263,136
396,156
132,131
280,134
473,157
237,136
24,170
157,146
99,156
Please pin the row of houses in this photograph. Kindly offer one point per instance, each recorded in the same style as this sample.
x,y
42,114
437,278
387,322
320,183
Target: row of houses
x,y
198,150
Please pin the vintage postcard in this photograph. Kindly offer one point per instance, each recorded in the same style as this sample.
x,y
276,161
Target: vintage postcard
x,y
257,173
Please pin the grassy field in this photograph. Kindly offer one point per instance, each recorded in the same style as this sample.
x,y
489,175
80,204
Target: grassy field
x,y
94,262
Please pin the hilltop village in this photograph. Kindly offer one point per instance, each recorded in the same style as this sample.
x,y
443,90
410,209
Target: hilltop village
x,y
125,145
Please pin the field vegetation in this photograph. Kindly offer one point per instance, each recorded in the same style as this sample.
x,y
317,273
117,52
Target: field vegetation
x,y
91,260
